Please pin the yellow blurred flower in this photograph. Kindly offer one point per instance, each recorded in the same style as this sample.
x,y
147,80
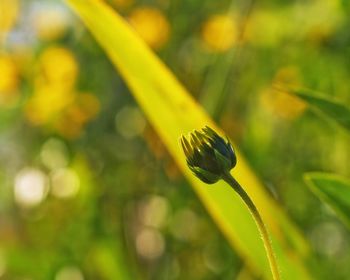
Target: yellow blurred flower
x,y
288,75
84,108
66,112
219,33
8,16
282,103
67,127
8,80
151,25
47,103
71,122
88,106
8,74
55,102
53,89
24,58
50,22
58,66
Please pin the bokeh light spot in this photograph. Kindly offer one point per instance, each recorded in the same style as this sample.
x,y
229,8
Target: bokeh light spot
x,y
185,225
50,21
65,183
69,273
150,243
30,187
130,122
54,154
213,258
328,239
154,211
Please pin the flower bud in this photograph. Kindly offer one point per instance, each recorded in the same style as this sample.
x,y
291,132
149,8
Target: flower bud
x,y
208,155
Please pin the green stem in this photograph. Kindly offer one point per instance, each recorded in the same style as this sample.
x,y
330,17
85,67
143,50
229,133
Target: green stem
x,y
262,228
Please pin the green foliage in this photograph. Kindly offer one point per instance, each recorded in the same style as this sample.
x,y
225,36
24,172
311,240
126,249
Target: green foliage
x,y
90,184
333,190
331,109
330,188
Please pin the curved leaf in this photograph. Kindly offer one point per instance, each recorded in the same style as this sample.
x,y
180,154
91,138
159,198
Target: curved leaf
x,y
331,109
332,189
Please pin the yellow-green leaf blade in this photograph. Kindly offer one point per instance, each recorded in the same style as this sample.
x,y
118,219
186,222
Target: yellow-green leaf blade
x,y
172,112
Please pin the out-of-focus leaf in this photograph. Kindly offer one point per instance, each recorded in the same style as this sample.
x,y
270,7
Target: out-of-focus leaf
x,y
330,109
172,112
106,255
332,189
108,259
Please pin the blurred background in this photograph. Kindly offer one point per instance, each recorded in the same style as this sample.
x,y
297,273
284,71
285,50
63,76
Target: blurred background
x,y
88,191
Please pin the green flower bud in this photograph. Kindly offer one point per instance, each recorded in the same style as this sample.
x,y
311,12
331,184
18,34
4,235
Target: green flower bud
x,y
208,155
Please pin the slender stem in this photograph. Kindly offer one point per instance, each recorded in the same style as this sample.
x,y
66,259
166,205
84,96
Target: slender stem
x,y
262,228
